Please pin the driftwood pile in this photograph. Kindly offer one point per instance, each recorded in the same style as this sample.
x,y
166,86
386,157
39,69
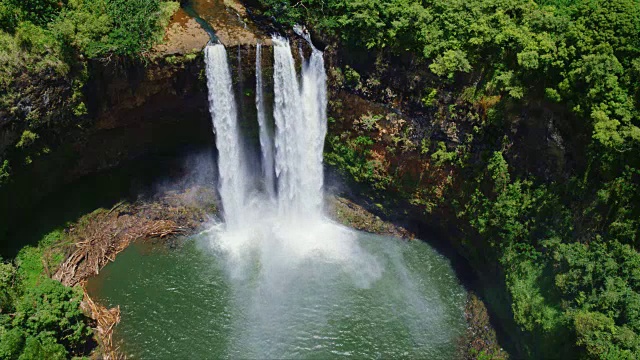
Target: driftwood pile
x,y
106,320
100,236
103,238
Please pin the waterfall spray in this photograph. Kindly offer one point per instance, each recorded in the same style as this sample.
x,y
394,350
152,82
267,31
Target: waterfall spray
x,y
287,235
290,132
314,97
278,280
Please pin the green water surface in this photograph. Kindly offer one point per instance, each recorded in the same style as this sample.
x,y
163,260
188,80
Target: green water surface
x,y
189,303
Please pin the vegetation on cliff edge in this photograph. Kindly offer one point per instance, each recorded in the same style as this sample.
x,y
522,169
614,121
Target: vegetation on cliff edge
x,y
45,47
558,222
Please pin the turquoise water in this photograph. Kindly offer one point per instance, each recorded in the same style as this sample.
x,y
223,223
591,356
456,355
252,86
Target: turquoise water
x,y
397,300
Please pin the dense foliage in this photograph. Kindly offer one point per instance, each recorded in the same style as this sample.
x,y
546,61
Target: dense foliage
x,y
565,241
95,28
39,317
45,46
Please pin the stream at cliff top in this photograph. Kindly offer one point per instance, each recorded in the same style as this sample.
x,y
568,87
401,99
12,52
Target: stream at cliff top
x,y
277,279
192,302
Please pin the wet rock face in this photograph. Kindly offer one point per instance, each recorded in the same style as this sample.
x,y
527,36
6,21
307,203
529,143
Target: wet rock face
x,y
133,111
230,21
43,99
140,110
137,110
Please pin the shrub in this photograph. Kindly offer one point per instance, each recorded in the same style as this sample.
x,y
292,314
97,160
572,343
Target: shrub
x,y
52,309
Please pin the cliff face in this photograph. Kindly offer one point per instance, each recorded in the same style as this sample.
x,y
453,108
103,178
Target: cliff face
x,y
133,109
140,110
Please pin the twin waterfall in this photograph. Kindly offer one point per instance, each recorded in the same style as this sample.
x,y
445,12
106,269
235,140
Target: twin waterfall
x,y
275,211
300,118
291,172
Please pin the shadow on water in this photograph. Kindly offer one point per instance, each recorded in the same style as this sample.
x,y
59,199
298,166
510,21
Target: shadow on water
x,y
490,289
135,179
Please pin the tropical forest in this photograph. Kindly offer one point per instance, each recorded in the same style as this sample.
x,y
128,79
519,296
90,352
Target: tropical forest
x,y
320,179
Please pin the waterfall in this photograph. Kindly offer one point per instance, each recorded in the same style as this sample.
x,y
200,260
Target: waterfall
x,y
314,98
233,175
266,142
267,239
287,109
300,116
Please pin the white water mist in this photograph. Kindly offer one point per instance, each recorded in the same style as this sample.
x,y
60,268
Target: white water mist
x,y
267,245
293,284
314,98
